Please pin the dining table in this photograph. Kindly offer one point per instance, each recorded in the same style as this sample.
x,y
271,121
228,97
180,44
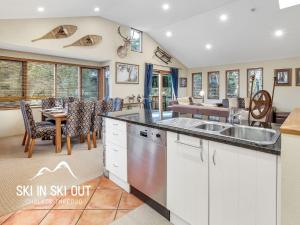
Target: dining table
x,y
58,117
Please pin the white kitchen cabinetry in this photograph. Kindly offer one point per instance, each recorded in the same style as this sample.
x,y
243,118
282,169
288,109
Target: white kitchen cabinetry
x,y
242,186
187,179
115,141
211,183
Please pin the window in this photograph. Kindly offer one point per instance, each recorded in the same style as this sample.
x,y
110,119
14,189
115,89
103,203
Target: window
x,y
11,82
258,82
90,83
197,84
136,40
232,83
213,85
67,80
34,80
40,81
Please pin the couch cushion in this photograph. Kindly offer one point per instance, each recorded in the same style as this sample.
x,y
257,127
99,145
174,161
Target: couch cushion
x,y
233,103
183,101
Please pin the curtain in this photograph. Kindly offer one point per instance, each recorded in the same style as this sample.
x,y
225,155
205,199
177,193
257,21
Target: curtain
x,y
148,85
174,74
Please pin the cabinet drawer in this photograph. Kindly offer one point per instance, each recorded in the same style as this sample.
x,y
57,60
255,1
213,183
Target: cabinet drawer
x,y
115,125
116,160
116,137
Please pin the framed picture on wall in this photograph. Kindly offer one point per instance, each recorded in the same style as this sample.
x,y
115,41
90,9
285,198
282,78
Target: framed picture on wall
x,y
213,91
183,82
298,77
283,77
127,73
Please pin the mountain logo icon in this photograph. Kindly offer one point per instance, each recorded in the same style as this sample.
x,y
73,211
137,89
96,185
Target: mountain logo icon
x,y
60,165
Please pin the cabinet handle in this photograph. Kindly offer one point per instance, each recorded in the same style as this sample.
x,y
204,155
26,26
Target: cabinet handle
x,y
202,159
115,134
115,165
214,157
116,150
115,124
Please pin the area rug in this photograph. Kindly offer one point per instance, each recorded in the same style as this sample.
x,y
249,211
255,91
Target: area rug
x,y
144,215
17,171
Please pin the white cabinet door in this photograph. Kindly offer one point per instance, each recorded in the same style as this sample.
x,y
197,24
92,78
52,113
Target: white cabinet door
x,y
116,160
115,139
242,186
187,178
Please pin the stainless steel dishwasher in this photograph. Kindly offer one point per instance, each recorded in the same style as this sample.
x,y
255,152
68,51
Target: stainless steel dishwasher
x,y
147,161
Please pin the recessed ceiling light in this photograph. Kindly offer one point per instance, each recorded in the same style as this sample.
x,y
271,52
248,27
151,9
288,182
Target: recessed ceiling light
x,y
96,9
169,34
278,33
208,46
40,9
165,6
288,3
223,17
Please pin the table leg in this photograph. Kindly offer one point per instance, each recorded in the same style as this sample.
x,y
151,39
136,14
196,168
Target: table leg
x,y
58,134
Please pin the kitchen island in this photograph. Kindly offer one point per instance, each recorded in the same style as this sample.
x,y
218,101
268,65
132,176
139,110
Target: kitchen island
x,y
199,176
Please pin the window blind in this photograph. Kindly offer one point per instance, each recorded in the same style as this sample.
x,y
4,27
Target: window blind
x,y
11,83
40,81
67,80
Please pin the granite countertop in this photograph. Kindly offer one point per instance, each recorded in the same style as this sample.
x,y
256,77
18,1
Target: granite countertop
x,y
150,118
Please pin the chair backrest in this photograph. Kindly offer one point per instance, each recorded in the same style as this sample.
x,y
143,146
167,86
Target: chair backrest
x,y
96,118
109,105
48,103
22,107
118,104
86,111
73,119
70,99
29,120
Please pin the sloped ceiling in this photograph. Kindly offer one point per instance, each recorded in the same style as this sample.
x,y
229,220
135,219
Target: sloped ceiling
x,y
246,36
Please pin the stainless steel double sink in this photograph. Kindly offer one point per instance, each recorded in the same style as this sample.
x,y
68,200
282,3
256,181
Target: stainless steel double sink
x,y
257,135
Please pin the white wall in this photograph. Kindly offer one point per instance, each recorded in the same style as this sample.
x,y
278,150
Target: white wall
x,y
17,35
286,98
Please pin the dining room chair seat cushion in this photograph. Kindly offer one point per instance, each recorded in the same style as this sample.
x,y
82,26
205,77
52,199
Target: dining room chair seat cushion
x,y
45,131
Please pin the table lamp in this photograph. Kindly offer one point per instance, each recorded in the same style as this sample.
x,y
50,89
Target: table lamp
x,y
202,94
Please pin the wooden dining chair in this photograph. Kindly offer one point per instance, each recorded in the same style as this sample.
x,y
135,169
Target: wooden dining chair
x,y
78,122
86,112
34,131
48,103
97,121
72,127
42,123
67,100
109,105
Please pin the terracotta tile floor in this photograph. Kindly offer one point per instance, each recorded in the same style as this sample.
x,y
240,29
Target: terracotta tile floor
x,y
106,203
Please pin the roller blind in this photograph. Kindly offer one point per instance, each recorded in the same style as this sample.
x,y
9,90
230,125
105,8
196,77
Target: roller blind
x,y
40,81
11,82
67,80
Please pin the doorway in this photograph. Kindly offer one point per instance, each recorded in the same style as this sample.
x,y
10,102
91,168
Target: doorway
x,y
162,90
